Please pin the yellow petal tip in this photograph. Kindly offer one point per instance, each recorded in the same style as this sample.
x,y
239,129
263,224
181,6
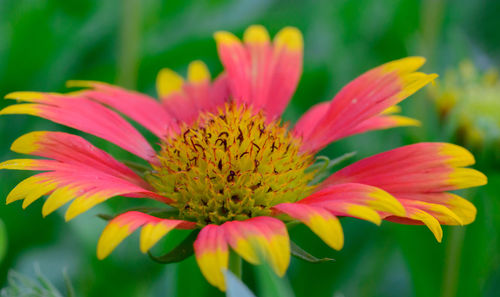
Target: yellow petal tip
x,y
225,38
198,72
291,38
256,34
168,82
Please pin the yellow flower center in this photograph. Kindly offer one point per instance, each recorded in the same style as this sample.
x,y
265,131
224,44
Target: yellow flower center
x,y
231,166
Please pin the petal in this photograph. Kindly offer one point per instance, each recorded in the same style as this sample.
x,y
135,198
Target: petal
x,y
260,238
365,97
418,216
212,255
185,100
422,167
262,74
123,225
78,171
83,114
139,107
418,176
340,198
320,221
71,149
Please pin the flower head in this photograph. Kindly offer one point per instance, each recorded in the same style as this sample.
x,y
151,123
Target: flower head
x,y
469,102
229,165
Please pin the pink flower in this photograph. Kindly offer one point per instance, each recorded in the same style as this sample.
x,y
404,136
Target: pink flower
x,y
230,166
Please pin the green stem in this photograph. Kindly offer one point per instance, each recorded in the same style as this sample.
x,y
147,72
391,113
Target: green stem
x,y
235,264
128,50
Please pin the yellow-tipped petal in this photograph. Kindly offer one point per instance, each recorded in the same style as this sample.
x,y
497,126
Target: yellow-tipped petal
x,y
31,109
430,222
383,201
211,263
404,65
279,254
462,208
458,156
198,72
25,96
82,204
290,38
364,213
256,34
414,82
168,82
151,234
38,192
111,237
392,109
463,178
405,121
328,229
225,38
57,199
28,143
18,164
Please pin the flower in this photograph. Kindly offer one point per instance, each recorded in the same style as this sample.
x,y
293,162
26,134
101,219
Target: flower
x,y
230,166
469,102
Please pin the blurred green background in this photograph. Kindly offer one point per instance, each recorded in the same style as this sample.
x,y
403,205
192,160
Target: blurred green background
x,y
43,43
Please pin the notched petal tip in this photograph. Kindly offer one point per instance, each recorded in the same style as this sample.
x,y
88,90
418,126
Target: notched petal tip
x,y
256,34
291,38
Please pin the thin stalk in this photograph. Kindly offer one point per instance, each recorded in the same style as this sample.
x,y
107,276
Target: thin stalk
x,y
235,264
128,50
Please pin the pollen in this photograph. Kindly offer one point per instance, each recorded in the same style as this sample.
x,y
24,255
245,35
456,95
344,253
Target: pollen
x,y
231,165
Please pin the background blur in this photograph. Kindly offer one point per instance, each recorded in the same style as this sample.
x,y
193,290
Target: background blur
x,y
43,43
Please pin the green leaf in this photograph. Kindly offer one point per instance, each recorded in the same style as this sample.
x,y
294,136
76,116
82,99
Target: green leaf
x,y
298,252
179,253
235,287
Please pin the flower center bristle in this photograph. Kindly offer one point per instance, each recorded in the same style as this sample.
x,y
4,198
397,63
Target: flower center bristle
x,y
231,166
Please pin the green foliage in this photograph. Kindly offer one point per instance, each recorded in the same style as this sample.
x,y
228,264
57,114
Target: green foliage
x,y
20,285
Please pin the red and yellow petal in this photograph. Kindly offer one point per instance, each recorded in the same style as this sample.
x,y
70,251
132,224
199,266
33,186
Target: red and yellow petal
x,y
365,97
83,114
262,74
123,225
212,254
422,167
260,238
319,220
341,198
